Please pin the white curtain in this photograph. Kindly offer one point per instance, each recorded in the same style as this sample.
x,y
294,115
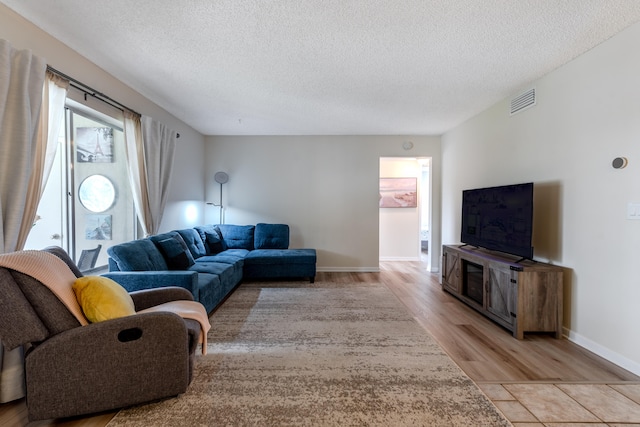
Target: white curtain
x,y
150,150
53,101
159,148
22,77
21,81
31,109
135,166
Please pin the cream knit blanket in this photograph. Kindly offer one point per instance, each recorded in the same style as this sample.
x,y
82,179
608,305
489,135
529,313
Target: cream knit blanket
x,y
187,310
56,275
50,271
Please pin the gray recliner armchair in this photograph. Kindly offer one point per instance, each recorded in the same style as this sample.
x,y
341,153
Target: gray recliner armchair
x,y
75,370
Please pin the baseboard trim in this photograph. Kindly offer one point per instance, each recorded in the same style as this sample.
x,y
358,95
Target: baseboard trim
x,y
602,351
348,269
358,270
392,258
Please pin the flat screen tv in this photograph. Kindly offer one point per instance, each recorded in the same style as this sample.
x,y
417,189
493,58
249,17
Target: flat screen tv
x,y
499,218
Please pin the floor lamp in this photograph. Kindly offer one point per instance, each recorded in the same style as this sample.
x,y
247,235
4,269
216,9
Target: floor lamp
x,y
220,178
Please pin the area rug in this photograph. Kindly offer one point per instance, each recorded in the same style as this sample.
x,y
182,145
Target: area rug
x,y
308,355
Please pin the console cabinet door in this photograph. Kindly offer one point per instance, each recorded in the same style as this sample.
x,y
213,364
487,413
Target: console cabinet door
x,y
502,292
451,274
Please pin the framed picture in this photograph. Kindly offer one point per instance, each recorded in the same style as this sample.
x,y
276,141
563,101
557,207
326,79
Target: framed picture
x,y
398,192
94,144
97,227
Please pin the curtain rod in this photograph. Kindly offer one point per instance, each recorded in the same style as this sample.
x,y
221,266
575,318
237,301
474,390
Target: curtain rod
x,y
88,90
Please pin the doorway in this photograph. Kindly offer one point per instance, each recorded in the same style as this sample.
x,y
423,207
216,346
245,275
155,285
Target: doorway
x,y
405,230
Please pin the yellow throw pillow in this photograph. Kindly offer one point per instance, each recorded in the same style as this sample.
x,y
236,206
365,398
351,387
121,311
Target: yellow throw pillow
x,y
102,298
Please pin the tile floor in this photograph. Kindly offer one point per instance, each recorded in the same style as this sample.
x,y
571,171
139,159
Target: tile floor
x,y
565,405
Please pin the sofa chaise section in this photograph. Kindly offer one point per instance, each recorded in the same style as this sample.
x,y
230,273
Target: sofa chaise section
x,y
280,263
269,256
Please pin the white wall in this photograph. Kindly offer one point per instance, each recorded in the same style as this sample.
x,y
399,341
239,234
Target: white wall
x,y
324,187
186,193
588,113
400,227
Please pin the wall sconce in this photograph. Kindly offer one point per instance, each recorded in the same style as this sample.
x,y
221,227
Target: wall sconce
x,y
619,163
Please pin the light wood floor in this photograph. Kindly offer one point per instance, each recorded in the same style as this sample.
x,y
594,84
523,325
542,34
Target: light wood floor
x,y
505,368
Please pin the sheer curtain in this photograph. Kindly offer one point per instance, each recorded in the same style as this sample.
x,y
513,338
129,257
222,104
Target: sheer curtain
x,y
150,149
135,165
31,108
53,101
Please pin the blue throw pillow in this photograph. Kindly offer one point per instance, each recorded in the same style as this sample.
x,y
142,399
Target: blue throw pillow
x,y
176,253
214,242
138,255
210,235
194,242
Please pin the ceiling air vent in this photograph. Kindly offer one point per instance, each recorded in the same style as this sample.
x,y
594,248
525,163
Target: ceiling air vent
x,y
523,101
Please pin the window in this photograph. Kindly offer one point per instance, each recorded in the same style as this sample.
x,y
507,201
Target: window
x,y
87,200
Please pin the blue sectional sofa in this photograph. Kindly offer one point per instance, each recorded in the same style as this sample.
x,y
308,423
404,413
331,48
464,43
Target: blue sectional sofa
x,y
210,260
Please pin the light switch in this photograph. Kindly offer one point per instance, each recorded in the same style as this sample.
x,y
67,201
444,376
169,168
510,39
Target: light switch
x,y
633,210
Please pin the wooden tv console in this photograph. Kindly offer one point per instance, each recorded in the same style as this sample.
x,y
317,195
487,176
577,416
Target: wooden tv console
x,y
522,296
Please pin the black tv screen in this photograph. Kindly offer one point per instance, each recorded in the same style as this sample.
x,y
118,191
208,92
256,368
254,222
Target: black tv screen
x,y
499,218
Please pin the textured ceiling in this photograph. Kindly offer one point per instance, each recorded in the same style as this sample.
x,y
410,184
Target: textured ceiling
x,y
328,67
